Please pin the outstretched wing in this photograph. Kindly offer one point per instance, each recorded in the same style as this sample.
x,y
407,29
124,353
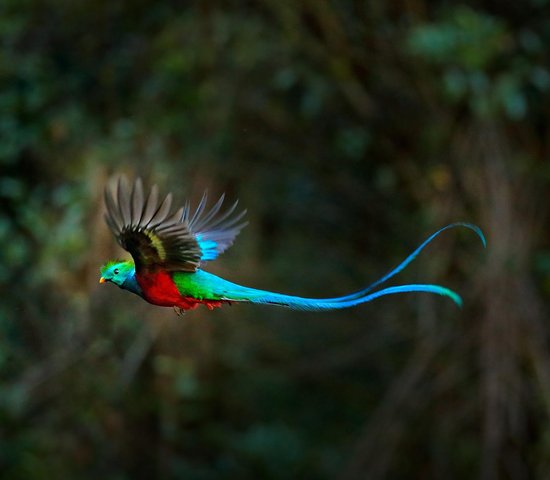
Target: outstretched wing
x,y
159,238
215,232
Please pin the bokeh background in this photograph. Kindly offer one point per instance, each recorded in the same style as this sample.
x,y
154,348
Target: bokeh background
x,y
350,130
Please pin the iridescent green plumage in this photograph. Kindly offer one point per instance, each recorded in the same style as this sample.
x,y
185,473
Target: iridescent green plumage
x,y
168,249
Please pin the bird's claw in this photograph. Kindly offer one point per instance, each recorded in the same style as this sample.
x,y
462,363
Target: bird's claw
x,y
179,311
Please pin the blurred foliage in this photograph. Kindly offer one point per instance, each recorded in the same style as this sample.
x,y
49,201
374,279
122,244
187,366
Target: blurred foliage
x,y
350,130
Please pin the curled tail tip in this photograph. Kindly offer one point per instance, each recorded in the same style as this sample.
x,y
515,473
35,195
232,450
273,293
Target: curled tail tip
x,y
457,299
447,292
483,240
475,229
479,233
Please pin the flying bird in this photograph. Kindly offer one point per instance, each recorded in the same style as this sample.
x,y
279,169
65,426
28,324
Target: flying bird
x,y
169,248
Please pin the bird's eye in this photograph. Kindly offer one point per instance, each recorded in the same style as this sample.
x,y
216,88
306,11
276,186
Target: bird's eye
x,y
115,271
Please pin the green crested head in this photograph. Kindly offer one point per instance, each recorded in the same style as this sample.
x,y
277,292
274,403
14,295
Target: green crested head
x,y
117,271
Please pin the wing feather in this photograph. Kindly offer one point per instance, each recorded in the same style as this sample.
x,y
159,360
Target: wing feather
x,y
159,238
123,198
224,221
199,222
151,206
162,212
200,209
137,202
115,220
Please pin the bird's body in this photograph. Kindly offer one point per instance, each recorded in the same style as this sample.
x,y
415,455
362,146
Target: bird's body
x,y
188,290
169,248
185,290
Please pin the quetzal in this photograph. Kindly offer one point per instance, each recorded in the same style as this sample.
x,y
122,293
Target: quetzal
x,y
169,248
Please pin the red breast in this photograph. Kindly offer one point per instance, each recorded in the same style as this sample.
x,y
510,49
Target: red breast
x,y
159,289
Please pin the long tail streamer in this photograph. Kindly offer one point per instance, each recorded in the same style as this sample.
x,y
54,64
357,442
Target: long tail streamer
x,y
239,293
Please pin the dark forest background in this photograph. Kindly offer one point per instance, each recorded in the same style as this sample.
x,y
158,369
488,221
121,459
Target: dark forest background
x,y
350,130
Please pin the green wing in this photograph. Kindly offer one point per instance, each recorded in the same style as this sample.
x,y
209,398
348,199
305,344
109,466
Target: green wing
x,y
158,237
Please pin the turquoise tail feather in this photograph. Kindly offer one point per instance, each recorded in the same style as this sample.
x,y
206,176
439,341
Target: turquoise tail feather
x,y
316,304
410,258
237,293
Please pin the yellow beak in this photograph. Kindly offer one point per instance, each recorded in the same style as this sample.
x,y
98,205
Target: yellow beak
x,y
101,280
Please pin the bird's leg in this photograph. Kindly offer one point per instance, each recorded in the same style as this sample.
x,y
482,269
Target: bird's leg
x,y
179,311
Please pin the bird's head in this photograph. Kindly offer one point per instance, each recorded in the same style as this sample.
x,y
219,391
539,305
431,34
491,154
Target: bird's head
x,y
116,271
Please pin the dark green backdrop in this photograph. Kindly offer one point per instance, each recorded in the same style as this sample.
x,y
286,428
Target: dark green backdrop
x,y
350,130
